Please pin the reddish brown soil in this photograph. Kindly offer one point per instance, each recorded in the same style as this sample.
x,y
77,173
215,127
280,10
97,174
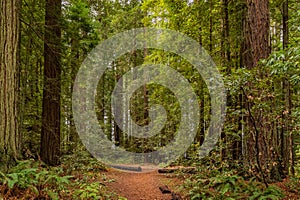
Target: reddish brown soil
x,y
290,193
139,186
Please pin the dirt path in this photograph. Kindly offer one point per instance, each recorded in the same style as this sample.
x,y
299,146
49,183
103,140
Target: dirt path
x,y
138,186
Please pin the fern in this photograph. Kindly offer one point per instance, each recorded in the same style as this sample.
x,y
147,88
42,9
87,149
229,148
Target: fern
x,y
89,191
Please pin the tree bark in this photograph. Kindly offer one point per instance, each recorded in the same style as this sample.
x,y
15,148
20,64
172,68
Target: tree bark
x,y
50,135
256,32
261,149
287,142
9,61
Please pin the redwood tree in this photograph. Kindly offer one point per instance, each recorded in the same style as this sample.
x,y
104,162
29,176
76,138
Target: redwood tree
x,y
50,135
9,61
256,32
262,155
287,143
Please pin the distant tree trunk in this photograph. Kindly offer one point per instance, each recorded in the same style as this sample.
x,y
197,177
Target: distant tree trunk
x,y
145,106
9,61
287,143
285,18
200,136
210,26
225,53
117,129
226,31
50,136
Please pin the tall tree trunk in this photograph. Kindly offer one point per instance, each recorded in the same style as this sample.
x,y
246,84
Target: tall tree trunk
x,y
287,143
261,149
256,32
226,31
225,49
285,18
210,26
72,138
200,135
9,61
50,136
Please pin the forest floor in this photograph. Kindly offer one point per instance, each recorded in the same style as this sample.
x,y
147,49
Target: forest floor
x,y
92,180
144,186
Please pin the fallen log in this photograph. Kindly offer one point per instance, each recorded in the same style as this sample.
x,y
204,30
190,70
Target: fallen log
x,y
127,168
164,189
190,170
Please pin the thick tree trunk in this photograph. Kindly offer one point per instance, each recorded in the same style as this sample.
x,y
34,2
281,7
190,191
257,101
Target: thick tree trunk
x,y
261,150
256,31
9,61
50,137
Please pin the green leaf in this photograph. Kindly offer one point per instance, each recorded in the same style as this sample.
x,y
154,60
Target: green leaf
x,y
53,195
11,182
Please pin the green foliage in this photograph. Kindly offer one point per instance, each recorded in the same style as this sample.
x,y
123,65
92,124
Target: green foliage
x,y
86,23
293,185
271,192
88,190
228,185
54,182
28,174
285,64
81,160
122,198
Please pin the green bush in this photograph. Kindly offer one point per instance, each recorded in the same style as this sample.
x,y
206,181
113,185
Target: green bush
x,y
228,185
28,174
34,179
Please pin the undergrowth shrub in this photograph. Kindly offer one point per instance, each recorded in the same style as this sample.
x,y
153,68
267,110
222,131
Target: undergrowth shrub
x,y
32,177
228,185
30,180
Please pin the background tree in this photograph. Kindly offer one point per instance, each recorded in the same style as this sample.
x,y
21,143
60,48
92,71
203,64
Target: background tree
x,y
79,36
31,75
50,135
